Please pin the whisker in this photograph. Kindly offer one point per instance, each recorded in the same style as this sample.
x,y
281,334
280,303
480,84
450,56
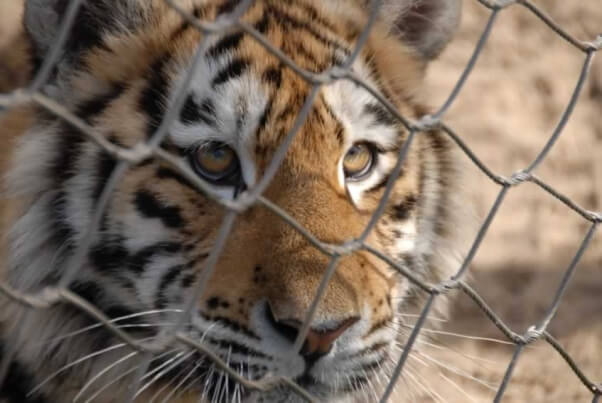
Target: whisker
x,y
457,387
179,385
208,378
168,367
192,382
432,393
101,373
457,371
97,325
413,315
106,386
123,375
470,357
74,363
463,336
167,385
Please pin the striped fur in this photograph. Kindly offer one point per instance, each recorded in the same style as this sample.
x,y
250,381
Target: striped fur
x,y
118,73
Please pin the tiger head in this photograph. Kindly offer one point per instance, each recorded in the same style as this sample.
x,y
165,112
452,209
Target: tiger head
x,y
120,72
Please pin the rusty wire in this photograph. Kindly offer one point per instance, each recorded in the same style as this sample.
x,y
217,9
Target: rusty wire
x,y
128,157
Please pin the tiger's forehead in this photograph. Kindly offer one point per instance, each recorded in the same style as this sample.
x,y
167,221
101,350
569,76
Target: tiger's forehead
x,y
244,95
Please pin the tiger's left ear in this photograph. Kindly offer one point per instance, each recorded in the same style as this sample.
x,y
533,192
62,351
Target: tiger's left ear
x,y
426,25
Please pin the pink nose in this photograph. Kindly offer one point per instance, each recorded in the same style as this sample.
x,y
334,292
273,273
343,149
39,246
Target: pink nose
x,y
318,342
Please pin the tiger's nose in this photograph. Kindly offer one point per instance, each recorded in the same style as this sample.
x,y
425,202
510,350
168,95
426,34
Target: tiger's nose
x,y
318,341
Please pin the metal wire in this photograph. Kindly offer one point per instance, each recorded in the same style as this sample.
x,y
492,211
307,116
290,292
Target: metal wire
x,y
151,149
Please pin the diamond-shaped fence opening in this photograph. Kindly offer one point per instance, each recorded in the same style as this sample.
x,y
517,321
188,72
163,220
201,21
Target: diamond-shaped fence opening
x,y
128,157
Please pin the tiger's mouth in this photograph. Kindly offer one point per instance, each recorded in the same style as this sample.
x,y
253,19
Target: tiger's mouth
x,y
197,375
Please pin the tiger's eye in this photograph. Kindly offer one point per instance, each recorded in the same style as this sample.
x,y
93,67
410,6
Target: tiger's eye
x,y
358,161
216,162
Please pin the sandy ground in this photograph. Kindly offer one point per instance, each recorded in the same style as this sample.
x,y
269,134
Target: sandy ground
x,y
506,112
508,109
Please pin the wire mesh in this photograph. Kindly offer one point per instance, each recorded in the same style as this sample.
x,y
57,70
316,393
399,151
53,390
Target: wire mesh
x,y
151,149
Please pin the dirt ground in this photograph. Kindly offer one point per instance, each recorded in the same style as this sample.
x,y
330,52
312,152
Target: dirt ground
x,y
508,109
505,113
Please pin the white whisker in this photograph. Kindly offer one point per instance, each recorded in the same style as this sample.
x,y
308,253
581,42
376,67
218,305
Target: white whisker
x,y
412,315
433,394
457,371
98,325
160,371
457,387
121,376
74,363
101,373
470,357
463,336
181,383
167,385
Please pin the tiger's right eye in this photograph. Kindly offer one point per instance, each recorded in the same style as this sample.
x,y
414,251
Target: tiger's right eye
x,y
218,163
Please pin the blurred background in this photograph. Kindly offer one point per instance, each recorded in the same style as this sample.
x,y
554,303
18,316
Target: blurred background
x,y
506,112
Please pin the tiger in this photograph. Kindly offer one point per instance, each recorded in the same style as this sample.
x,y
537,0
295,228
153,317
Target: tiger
x,y
119,71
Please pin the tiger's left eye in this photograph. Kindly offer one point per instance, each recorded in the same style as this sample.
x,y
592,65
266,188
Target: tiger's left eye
x,y
359,161
218,163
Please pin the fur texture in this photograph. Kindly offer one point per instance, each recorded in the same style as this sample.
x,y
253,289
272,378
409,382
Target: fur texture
x,y
118,72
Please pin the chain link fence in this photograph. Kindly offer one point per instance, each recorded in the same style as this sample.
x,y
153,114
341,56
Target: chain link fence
x,y
151,149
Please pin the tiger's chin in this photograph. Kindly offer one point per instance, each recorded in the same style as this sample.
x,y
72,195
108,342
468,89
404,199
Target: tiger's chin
x,y
344,376
222,386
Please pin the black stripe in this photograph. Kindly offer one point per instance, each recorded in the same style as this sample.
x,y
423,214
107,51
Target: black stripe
x,y
95,295
152,98
104,168
109,255
193,113
232,71
404,208
225,44
227,6
263,24
293,22
381,114
170,276
237,348
88,290
273,75
234,326
149,206
98,104
375,348
264,117
88,28
188,280
198,12
68,149
138,262
62,231
340,129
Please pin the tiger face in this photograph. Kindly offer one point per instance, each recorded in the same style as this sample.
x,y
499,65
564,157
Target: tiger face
x,y
120,73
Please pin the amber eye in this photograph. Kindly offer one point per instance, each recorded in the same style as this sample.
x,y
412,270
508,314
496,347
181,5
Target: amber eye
x,y
359,161
217,163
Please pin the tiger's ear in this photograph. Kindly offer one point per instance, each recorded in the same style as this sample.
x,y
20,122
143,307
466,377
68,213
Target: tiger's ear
x,y
427,25
43,20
